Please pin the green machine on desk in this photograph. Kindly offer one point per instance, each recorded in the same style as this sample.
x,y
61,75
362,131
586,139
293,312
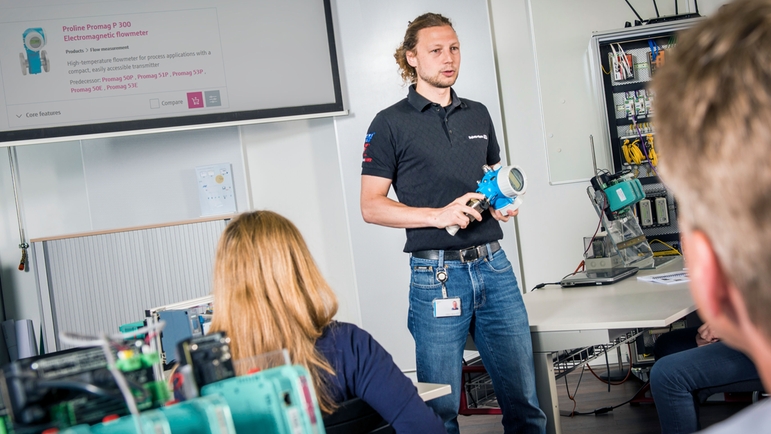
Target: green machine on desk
x,y
279,400
613,196
76,391
205,415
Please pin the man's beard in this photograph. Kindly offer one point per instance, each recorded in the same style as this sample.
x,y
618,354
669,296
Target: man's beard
x,y
439,81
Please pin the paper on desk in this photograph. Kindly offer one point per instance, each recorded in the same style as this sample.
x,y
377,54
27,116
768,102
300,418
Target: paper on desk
x,y
667,278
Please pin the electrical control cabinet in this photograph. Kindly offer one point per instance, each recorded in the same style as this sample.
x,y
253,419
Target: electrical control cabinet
x,y
623,64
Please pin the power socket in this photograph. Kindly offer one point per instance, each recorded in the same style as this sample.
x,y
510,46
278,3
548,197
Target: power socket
x,y
646,214
662,211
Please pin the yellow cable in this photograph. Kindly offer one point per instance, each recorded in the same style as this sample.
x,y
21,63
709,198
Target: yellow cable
x,y
666,253
636,153
632,153
625,150
170,377
652,156
603,69
659,241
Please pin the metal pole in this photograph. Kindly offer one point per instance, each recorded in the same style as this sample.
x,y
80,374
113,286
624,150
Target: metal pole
x,y
23,245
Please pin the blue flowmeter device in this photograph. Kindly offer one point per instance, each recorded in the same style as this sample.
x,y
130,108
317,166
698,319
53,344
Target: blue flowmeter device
x,y
502,188
36,60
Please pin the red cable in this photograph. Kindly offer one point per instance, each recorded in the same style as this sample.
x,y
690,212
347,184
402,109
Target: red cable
x,y
628,372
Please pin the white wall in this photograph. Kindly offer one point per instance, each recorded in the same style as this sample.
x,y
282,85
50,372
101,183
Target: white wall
x,y
555,217
294,170
369,34
73,187
310,170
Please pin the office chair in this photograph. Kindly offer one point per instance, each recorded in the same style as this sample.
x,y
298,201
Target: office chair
x,y
755,387
356,417
750,386
682,339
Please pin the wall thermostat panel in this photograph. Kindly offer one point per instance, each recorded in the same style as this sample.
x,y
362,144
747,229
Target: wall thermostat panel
x,y
215,189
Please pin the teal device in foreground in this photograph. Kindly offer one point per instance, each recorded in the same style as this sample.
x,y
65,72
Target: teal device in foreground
x,y
204,415
79,429
279,400
624,194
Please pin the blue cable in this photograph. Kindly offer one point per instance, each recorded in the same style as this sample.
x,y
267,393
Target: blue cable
x,y
654,49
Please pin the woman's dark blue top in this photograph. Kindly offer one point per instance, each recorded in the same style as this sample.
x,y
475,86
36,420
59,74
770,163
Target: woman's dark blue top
x,y
366,370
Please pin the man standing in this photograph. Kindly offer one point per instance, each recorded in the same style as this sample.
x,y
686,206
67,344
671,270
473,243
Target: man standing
x,y
431,147
713,124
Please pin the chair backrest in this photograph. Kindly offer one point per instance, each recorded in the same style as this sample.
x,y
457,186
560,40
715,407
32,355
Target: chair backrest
x,y
356,417
739,386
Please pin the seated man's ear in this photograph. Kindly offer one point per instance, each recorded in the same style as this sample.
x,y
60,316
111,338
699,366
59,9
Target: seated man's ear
x,y
708,285
713,292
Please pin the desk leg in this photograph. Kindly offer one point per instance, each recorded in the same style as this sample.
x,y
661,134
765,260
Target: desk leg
x,y
546,389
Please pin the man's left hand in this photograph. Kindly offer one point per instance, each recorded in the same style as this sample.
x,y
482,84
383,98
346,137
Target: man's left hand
x,y
503,217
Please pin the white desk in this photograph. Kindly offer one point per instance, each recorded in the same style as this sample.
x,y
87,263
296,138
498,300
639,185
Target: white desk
x,y
429,391
566,318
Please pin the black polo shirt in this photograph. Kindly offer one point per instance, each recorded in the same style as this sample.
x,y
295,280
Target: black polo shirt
x,y
433,155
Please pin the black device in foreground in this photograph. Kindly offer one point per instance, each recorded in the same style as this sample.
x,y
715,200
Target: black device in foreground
x,y
67,388
209,356
599,277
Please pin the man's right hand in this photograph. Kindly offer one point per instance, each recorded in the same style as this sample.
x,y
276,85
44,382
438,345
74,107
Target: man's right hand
x,y
457,212
705,335
378,208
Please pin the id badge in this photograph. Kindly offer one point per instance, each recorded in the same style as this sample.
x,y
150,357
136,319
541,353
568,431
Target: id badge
x,y
444,307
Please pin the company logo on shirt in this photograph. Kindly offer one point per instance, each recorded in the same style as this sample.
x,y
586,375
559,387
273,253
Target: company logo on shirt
x,y
479,136
367,139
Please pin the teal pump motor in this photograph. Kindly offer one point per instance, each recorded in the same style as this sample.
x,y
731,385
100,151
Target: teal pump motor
x,y
624,193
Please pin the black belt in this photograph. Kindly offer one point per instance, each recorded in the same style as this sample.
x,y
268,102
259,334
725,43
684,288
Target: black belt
x,y
463,255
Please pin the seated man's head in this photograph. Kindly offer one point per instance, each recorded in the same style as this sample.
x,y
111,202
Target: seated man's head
x,y
713,124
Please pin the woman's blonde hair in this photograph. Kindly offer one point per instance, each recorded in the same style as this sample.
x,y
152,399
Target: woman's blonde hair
x,y
269,295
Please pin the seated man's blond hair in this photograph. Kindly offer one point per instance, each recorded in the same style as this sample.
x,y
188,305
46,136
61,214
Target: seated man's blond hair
x,y
713,124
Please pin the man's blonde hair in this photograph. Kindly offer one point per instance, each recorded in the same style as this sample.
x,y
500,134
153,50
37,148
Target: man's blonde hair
x,y
713,110
269,295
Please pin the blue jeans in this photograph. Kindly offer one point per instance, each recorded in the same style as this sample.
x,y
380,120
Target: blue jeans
x,y
676,378
493,313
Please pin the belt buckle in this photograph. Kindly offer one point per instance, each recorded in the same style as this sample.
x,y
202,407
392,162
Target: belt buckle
x,y
469,254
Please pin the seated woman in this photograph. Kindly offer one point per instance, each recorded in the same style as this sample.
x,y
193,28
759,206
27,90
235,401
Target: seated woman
x,y
688,360
269,295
